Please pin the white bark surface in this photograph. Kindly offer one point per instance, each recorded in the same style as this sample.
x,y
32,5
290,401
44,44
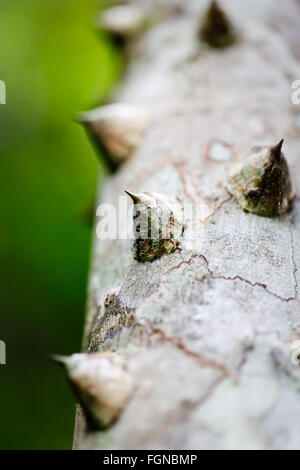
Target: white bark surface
x,y
206,333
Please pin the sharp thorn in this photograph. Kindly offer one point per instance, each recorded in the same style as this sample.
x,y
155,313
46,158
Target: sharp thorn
x,y
276,150
135,197
59,359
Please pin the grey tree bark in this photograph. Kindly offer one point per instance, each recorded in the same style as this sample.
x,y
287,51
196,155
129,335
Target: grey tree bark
x,y
206,332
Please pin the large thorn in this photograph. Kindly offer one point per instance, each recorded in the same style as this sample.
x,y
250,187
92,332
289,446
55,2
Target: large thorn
x,y
158,225
101,384
117,129
216,29
263,185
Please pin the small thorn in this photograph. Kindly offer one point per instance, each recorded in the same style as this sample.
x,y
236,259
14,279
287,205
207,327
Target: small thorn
x,y
59,359
216,29
122,21
135,197
276,151
81,117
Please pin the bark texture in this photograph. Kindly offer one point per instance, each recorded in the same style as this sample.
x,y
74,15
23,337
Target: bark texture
x,y
206,332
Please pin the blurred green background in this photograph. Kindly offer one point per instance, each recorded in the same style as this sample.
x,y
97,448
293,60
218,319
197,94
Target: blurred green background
x,y
54,64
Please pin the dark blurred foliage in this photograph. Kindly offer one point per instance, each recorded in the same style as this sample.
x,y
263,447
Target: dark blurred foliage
x,y
54,64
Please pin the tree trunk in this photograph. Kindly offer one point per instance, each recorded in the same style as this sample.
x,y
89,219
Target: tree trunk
x,y
206,332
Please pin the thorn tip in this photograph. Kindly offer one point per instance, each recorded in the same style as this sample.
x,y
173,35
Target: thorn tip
x,y
276,150
216,29
59,359
133,196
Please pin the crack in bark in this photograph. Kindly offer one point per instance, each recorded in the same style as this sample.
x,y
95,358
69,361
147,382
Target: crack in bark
x,y
183,413
213,276
240,278
222,203
178,343
183,175
225,278
244,358
295,269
